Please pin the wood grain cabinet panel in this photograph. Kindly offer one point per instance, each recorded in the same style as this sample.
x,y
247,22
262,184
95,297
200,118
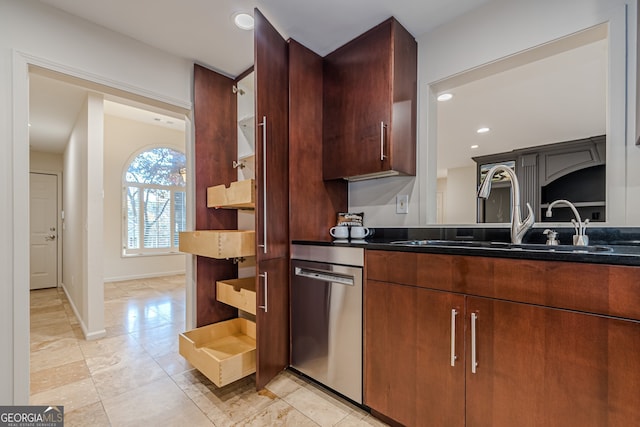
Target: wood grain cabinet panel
x,y
408,374
544,367
272,201
272,140
523,363
370,89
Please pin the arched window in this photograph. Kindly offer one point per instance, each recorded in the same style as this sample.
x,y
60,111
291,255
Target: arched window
x,y
154,202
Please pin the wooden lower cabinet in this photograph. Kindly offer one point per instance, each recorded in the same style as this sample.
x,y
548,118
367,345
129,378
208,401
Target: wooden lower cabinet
x,y
272,319
408,375
539,366
535,366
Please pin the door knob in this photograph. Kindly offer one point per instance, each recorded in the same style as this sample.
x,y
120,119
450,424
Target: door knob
x,y
50,237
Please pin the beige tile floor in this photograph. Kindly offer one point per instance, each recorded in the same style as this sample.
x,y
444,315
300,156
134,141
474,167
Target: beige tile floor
x,y
135,376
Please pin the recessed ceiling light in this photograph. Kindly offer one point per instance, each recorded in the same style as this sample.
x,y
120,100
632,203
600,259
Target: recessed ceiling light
x,y
473,147
244,21
483,130
445,96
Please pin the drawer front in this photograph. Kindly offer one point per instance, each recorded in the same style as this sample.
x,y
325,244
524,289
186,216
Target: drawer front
x,y
239,195
224,352
239,293
219,243
610,290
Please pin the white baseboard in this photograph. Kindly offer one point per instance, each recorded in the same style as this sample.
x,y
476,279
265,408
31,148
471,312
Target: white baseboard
x,y
143,276
87,335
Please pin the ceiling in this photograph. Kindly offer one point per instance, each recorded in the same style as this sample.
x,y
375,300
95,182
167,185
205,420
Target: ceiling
x,y
202,31
54,106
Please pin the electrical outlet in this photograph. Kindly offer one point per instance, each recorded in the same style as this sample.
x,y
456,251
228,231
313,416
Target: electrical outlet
x,y
402,204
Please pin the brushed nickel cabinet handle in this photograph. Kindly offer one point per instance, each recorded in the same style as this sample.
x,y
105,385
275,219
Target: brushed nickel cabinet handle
x,y
454,314
266,287
382,127
474,354
264,184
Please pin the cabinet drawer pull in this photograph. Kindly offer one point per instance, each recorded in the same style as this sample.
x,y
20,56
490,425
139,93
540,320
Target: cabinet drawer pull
x,y
474,356
264,184
266,287
454,313
382,127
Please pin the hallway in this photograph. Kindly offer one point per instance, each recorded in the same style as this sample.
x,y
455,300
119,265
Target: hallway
x,y
135,376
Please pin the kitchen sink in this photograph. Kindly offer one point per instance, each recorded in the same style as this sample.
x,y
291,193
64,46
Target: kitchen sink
x,y
505,246
451,243
551,248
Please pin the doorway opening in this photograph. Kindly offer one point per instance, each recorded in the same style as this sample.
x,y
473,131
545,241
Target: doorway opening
x,y
44,244
77,132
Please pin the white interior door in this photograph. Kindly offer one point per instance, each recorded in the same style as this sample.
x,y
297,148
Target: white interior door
x,y
44,233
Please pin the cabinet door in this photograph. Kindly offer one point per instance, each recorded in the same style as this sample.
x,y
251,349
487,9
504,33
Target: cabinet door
x,y
214,150
408,369
272,153
272,320
357,96
542,367
370,96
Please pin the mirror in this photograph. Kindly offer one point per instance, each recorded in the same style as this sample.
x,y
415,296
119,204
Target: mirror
x,y
546,95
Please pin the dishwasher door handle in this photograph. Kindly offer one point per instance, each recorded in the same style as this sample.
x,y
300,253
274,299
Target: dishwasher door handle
x,y
325,276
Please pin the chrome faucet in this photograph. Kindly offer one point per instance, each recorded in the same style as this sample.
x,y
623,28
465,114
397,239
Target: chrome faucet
x,y
518,227
580,238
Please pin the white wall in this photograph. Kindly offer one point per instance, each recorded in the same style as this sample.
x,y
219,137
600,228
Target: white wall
x,y
496,30
72,205
93,225
124,139
82,230
460,200
34,33
45,162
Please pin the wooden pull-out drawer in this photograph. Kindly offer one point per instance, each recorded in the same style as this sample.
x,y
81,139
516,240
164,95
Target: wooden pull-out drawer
x,y
219,243
239,195
240,293
224,352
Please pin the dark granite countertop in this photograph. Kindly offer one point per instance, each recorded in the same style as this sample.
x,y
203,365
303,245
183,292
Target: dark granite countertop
x,y
615,246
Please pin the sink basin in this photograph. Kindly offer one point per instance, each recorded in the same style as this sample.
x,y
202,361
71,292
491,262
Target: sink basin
x,y
550,248
505,246
451,243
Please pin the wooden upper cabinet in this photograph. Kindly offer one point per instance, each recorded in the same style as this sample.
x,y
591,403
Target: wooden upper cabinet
x,y
370,95
272,140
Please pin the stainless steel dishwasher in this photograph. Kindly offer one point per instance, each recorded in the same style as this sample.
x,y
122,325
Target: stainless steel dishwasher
x,y
326,316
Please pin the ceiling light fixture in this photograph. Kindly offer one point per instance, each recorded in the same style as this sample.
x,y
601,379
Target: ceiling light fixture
x,y
244,21
473,147
483,130
445,96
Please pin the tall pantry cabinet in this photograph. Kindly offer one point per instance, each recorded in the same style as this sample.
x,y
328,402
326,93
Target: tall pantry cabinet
x,y
243,324
272,200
